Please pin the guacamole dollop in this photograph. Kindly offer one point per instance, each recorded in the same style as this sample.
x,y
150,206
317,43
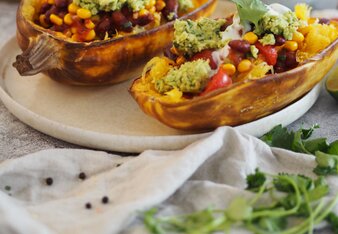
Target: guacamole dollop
x,y
285,24
191,77
268,39
111,5
191,37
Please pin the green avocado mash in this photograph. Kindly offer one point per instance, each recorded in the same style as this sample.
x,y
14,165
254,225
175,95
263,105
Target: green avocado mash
x,y
185,5
191,37
254,51
111,5
268,39
191,77
284,25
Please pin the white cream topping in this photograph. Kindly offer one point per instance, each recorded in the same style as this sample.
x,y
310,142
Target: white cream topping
x,y
277,9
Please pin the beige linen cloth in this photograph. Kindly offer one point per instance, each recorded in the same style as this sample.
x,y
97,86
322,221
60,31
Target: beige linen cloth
x,y
210,172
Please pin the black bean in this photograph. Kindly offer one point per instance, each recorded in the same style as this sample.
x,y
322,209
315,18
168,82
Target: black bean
x,y
280,40
279,67
61,3
170,9
144,20
44,8
121,22
103,26
240,45
324,21
291,60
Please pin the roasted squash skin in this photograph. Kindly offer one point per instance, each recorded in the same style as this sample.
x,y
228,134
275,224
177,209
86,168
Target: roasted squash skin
x,y
242,102
94,63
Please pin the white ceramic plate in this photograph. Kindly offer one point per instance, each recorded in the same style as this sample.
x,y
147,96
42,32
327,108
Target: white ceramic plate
x,y
105,117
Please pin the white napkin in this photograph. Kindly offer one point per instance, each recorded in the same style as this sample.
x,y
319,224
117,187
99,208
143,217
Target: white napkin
x,y
210,172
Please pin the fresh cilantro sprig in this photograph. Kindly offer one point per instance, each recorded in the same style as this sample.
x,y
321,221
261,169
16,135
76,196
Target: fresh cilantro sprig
x,y
326,154
250,10
292,196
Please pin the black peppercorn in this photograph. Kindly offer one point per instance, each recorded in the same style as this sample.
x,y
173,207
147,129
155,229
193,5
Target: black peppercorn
x,y
119,164
7,187
105,200
82,176
88,205
49,181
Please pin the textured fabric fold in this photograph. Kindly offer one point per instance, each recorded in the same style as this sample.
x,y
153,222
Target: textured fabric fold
x,y
208,173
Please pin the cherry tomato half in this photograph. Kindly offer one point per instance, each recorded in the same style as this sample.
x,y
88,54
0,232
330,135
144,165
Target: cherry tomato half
x,y
219,80
269,52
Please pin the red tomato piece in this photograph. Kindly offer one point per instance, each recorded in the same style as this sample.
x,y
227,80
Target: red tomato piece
x,y
219,80
205,54
269,52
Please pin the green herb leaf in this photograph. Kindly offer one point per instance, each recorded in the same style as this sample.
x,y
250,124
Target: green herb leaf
x,y
152,224
255,181
272,224
298,144
302,201
250,10
332,218
333,148
326,163
306,133
319,144
279,137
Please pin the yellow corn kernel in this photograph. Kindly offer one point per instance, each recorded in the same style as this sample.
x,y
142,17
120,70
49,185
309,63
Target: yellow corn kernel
x,y
143,12
160,5
68,19
312,20
72,8
291,45
84,13
298,37
229,68
56,19
150,4
251,37
89,24
42,19
51,2
180,60
152,10
90,35
244,66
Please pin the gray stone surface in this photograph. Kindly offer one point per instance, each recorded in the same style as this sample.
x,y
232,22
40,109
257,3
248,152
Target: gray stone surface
x,y
17,139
